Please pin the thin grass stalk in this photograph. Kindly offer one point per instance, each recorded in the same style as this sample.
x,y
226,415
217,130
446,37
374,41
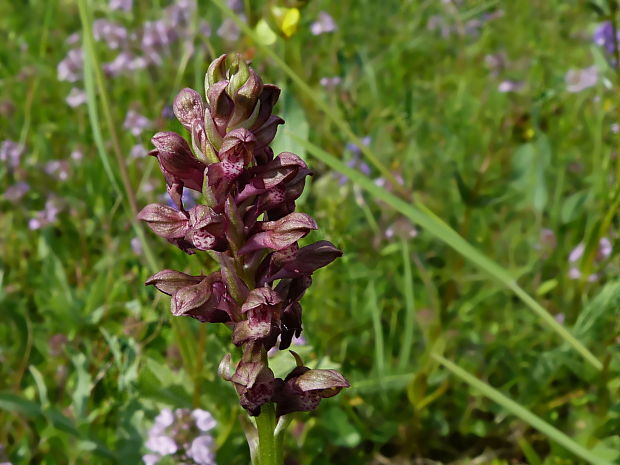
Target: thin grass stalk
x,y
407,340
523,413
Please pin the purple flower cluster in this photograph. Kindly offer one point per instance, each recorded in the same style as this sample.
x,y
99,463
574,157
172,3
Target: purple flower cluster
x,y
324,24
47,216
182,434
11,153
248,222
136,50
604,37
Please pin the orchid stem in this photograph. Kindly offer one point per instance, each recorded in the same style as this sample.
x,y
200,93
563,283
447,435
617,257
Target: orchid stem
x,y
268,453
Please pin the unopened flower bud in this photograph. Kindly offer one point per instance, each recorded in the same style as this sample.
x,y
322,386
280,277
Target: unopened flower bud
x,y
188,107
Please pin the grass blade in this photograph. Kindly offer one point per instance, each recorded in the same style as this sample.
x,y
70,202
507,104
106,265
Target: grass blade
x,y
373,305
407,340
524,414
420,215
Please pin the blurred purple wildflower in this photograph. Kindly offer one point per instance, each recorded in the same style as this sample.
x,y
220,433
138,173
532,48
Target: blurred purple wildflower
x,y
124,5
113,34
495,63
124,63
547,242
603,252
201,450
204,29
180,13
76,97
330,82
167,112
136,123
70,68
58,169
77,155
189,199
138,151
509,86
11,152
73,39
604,37
181,434
356,161
16,191
581,79
136,246
45,217
439,23
235,5
325,23
401,228
229,31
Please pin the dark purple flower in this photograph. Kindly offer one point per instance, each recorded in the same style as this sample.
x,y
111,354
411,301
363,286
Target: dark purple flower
x,y
248,221
304,388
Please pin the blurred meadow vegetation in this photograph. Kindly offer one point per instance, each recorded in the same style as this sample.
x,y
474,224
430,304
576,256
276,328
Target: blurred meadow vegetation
x,y
465,159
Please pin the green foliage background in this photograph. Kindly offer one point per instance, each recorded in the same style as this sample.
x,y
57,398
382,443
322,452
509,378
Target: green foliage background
x,y
89,356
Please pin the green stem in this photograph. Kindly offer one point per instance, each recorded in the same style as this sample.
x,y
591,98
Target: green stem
x,y
267,445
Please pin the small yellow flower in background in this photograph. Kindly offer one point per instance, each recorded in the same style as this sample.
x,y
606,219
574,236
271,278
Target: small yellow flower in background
x,y
529,133
286,19
280,21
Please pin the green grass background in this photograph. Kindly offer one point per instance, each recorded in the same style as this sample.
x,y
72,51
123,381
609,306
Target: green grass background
x,y
448,338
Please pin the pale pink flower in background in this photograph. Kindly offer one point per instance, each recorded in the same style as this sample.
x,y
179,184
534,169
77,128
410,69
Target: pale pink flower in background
x,y
325,23
76,97
16,191
70,68
603,252
581,79
114,35
138,151
11,152
509,86
124,5
46,216
136,123
330,82
76,155
58,169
